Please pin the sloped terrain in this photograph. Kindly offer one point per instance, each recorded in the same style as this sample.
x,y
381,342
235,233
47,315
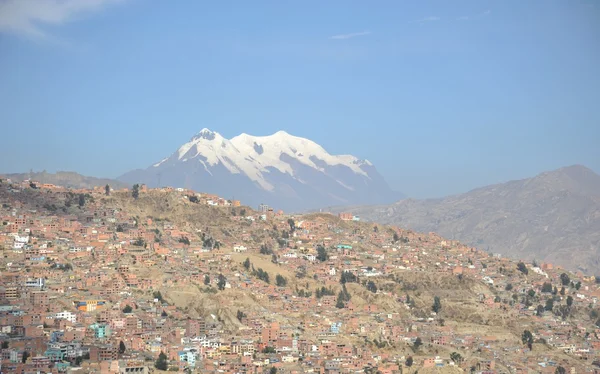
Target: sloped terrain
x,y
67,179
553,217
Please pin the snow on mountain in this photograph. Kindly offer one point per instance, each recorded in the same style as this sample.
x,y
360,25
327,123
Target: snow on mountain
x,y
267,150
281,166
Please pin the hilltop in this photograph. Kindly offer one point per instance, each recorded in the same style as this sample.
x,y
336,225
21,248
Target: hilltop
x,y
68,179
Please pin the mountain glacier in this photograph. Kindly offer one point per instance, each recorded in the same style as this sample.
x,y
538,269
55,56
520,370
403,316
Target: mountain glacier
x,y
281,170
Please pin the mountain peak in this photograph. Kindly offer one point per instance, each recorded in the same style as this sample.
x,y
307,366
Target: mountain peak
x,y
281,169
205,134
575,178
577,168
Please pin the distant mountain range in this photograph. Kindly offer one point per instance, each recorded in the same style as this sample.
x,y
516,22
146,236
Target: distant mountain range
x,y
280,170
67,179
553,217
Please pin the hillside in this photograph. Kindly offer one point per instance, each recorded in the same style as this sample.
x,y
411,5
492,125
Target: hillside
x,y
553,217
295,292
66,179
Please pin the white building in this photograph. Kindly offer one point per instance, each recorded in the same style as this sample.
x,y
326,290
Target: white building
x,y
239,248
71,317
21,239
37,282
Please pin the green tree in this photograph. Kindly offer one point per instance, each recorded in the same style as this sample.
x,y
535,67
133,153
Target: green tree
x,y
531,293
122,347
340,300
418,342
347,277
549,305
322,254
437,304
280,281
243,212
221,282
127,309
522,268
371,286
107,190
564,279
508,287
206,280
135,192
273,370
578,285
409,361
569,300
81,200
161,362
456,357
247,263
158,296
527,338
396,237
345,292
292,224
560,370
539,310
547,287
301,271
240,315
262,275
25,357
269,349
265,250
562,291
5,344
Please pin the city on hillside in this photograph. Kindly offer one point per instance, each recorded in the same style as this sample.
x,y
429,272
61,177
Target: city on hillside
x,y
146,280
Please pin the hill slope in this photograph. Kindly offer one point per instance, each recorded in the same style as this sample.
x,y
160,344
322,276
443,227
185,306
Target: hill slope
x,y
281,170
68,179
553,217
392,293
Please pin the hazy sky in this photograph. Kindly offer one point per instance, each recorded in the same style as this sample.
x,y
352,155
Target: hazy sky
x,y
442,96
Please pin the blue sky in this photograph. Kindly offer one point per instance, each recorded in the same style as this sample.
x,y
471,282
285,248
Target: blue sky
x,y
442,96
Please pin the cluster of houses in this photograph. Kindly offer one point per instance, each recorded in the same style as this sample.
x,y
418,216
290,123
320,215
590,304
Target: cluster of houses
x,y
91,287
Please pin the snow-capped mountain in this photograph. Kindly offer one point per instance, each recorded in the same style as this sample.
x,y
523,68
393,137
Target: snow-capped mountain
x,y
281,170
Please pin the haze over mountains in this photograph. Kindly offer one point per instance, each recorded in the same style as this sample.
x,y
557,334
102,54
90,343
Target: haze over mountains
x,y
553,217
67,179
281,170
